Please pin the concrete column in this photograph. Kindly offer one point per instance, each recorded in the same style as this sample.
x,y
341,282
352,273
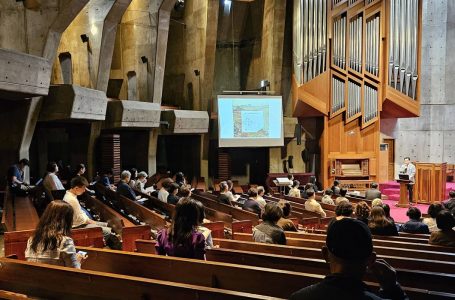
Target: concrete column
x,y
152,150
434,128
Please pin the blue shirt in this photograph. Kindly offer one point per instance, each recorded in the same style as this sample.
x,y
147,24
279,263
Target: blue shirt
x,y
14,171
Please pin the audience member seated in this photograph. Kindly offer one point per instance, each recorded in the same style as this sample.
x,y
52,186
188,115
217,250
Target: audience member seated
x,y
336,187
433,210
289,187
202,229
51,181
343,210
180,179
312,205
260,197
284,222
15,177
316,185
251,204
376,202
349,251
295,191
446,235
414,225
224,196
373,192
386,208
80,170
379,225
327,198
185,191
450,204
80,219
133,177
182,239
105,179
140,183
308,186
362,212
342,197
268,231
123,187
229,193
51,242
173,190
163,193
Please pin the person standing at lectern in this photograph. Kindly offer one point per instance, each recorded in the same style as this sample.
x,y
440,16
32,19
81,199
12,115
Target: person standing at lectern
x,y
409,169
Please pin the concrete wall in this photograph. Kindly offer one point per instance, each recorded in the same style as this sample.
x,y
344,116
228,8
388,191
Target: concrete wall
x,y
84,56
191,46
431,137
25,30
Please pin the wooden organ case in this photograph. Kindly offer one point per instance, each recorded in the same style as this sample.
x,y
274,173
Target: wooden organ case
x,y
355,62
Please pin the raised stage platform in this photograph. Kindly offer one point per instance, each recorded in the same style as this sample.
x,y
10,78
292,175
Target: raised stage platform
x,y
392,190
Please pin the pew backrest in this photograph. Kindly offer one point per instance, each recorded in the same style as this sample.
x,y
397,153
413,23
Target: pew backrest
x,y
55,282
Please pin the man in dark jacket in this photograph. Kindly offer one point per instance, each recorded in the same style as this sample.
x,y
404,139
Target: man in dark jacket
x,y
414,225
450,204
373,192
123,187
349,251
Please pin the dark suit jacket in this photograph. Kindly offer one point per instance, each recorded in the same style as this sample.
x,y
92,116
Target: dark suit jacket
x,y
372,194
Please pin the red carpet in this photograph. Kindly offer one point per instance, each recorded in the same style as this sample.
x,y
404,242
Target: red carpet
x,y
392,190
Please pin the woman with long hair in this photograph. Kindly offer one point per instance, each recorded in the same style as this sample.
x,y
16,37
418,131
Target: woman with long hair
x,y
379,224
182,238
51,243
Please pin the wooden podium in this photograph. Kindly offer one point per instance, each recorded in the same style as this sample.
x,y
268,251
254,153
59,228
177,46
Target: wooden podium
x,y
404,199
430,182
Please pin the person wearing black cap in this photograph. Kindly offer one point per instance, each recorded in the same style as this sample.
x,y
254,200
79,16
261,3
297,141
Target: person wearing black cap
x,y
349,251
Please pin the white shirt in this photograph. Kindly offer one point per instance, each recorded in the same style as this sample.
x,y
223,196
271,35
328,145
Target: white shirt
x,y
52,183
431,223
410,169
79,217
162,195
261,201
313,205
294,192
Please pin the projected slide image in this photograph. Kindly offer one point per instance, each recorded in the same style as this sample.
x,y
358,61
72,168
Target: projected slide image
x,y
250,120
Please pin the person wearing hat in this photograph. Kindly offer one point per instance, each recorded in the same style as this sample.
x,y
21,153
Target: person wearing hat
x,y
349,251
15,176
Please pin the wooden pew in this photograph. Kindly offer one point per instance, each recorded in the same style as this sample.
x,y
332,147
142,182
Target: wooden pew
x,y
155,203
16,241
211,214
217,229
410,278
236,213
199,272
314,266
141,212
19,213
129,232
377,241
306,252
55,282
381,250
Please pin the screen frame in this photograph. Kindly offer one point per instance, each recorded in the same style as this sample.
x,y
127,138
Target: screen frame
x,y
250,142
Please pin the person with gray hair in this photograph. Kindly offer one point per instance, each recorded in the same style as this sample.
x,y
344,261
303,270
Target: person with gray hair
x,y
123,187
140,182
